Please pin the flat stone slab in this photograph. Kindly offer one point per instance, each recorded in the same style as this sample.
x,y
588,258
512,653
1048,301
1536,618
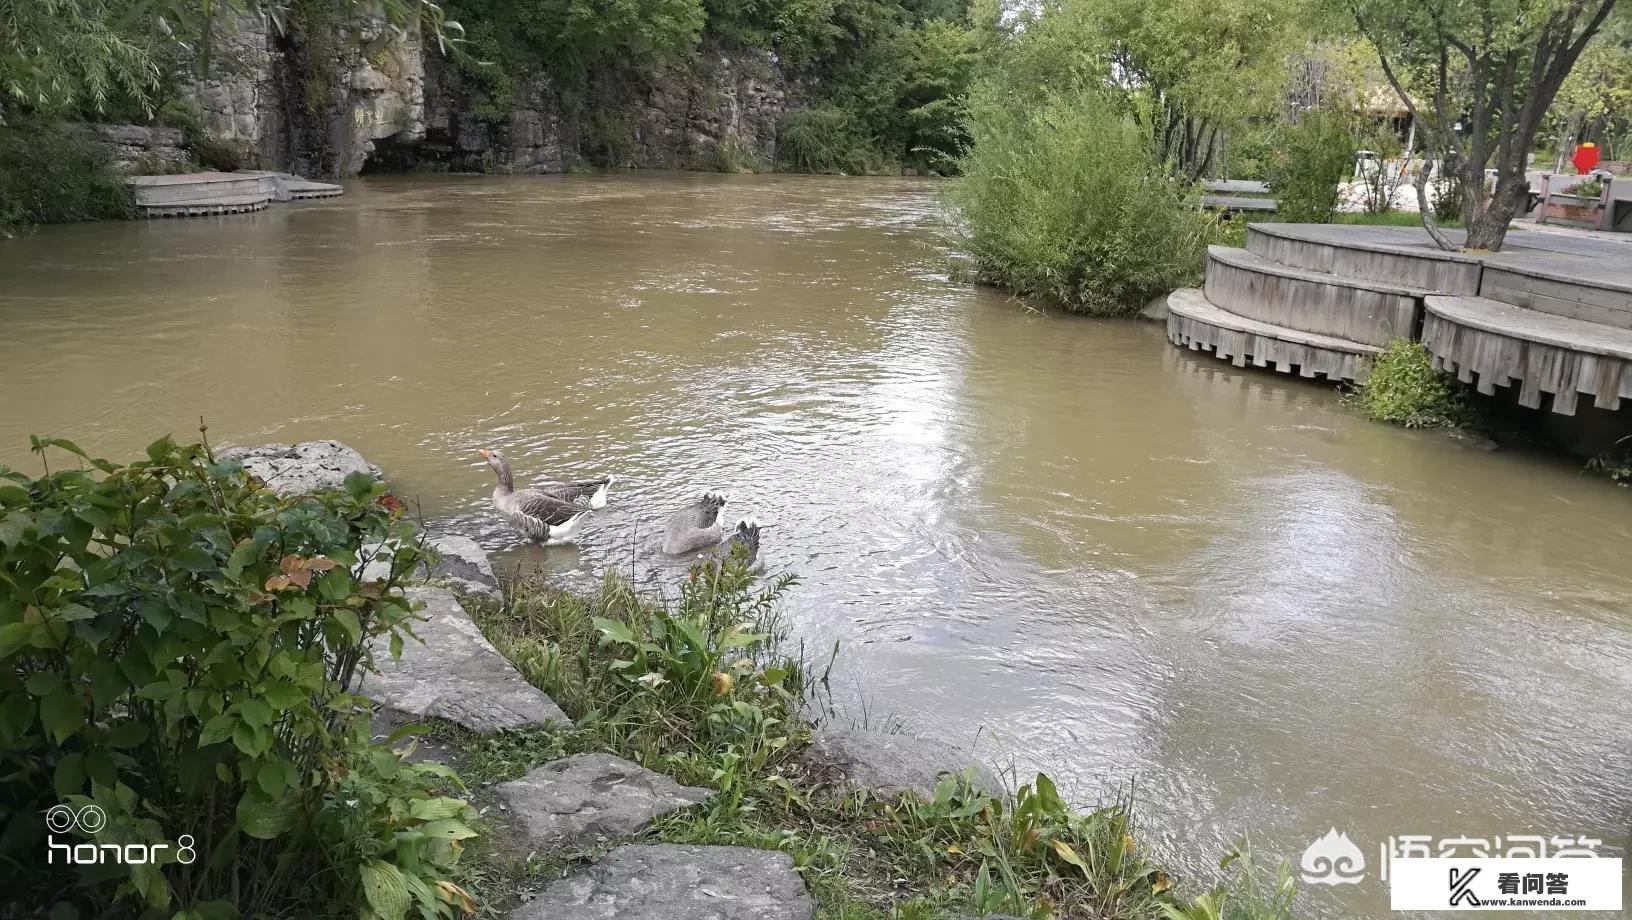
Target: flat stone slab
x,y
593,797
455,674
460,561
300,469
672,882
895,764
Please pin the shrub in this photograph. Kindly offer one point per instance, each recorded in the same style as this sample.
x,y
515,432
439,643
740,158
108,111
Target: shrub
x,y
827,139
1446,189
1064,199
1310,158
49,175
178,648
1403,388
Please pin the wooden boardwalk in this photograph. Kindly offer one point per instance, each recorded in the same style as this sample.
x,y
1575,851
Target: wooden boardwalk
x,y
1551,314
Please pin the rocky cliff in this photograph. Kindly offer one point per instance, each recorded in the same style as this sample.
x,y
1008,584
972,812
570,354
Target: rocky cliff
x,y
335,108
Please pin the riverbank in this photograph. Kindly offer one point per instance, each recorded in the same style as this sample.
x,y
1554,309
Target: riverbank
x,y
690,750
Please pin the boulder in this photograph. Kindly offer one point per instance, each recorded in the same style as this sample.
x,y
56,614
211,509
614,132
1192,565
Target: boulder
x,y
895,764
459,561
672,882
592,797
454,673
299,469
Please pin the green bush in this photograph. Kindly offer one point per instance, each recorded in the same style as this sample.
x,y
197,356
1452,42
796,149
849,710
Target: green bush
x,y
1064,199
49,175
827,139
1405,389
1309,159
178,648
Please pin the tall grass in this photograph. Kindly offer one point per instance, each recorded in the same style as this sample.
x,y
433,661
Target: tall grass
x,y
696,685
1064,199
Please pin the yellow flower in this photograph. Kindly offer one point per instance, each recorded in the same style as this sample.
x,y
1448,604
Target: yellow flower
x,y
722,683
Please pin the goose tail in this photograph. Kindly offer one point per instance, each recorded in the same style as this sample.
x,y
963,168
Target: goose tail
x,y
745,541
566,531
597,500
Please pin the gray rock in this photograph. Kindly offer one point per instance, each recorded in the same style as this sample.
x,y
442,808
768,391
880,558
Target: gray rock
x,y
459,560
593,797
299,469
1155,311
671,882
455,674
895,764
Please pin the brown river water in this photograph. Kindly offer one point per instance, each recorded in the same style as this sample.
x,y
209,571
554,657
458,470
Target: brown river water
x,y
1098,555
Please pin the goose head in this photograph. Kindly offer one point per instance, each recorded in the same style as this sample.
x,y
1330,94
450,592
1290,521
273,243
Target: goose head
x,y
497,463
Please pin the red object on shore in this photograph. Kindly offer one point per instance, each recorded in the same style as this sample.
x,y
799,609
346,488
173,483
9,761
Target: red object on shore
x,y
1586,157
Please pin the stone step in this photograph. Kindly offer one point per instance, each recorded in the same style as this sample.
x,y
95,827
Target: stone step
x,y
1196,323
1494,344
1347,252
676,882
454,673
1358,310
591,798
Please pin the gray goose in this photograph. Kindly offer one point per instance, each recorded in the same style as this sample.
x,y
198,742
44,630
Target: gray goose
x,y
701,524
549,514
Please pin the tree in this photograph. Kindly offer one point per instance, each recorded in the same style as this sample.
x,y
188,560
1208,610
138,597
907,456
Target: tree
x,y
1489,70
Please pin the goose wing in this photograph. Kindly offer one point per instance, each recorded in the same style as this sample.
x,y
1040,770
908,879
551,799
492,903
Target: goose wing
x,y
572,491
543,506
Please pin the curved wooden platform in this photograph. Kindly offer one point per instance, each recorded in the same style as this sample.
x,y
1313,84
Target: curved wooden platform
x,y
205,207
1359,310
1196,323
1493,344
1356,252
207,193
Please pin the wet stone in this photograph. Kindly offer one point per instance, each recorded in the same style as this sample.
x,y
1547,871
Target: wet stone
x,y
673,882
891,764
592,797
300,469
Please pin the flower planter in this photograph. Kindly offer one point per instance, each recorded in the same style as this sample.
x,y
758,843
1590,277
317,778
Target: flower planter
x,y
1573,210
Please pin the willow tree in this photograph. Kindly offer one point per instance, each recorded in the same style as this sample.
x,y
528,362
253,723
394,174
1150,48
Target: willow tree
x,y
1479,76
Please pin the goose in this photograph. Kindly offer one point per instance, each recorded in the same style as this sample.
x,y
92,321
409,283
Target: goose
x,y
744,540
591,490
540,515
696,526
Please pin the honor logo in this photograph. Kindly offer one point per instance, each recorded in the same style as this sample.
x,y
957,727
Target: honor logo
x,y
89,820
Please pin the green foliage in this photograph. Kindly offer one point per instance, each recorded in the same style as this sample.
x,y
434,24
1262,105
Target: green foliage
x,y
826,139
57,56
1586,188
1616,463
49,175
1244,897
1064,199
1310,158
178,646
1404,388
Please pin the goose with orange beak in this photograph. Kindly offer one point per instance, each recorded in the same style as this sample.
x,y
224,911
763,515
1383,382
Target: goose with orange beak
x,y
548,514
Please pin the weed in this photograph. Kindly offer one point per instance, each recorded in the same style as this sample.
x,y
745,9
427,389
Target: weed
x,y
1404,388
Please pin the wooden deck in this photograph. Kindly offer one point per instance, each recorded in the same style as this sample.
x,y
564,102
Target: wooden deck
x,y
210,193
1551,314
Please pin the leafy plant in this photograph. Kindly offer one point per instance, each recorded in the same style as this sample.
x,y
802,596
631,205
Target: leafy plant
x,y
180,647
1586,188
1404,388
49,175
1063,198
1244,896
1310,158
826,139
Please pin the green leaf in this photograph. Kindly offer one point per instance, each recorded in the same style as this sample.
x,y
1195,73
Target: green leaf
x,y
255,713
447,829
62,713
216,730
614,630
348,621
437,808
384,888
16,716
14,636
69,778
265,819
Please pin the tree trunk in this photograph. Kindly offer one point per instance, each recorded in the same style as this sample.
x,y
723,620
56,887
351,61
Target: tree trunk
x,y
1487,229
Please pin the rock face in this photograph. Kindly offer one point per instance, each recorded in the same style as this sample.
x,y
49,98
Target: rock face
x,y
390,101
669,882
139,150
592,797
297,469
895,764
455,674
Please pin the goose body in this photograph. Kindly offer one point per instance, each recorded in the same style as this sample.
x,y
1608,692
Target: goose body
x,y
543,514
696,526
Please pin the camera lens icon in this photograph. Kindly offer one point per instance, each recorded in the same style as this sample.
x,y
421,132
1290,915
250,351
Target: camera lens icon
x,y
60,819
